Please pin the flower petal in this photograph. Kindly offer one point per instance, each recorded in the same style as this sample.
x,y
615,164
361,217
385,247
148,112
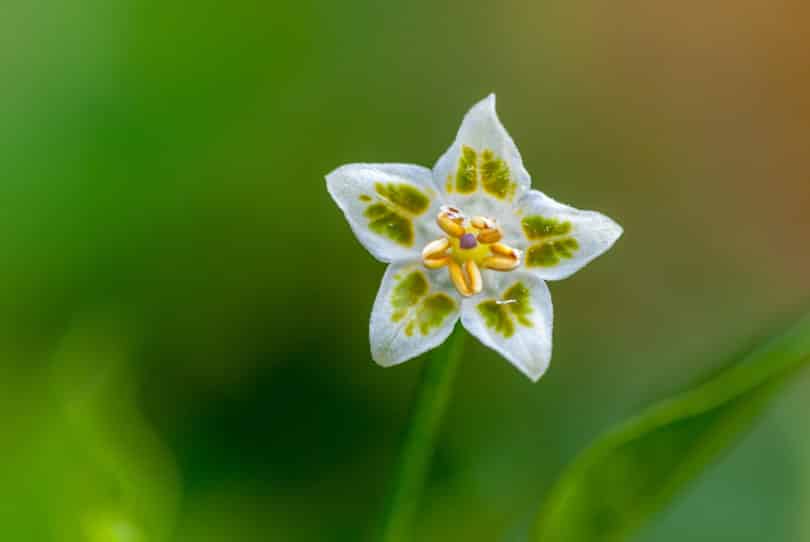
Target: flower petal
x,y
558,239
482,171
415,311
390,207
514,317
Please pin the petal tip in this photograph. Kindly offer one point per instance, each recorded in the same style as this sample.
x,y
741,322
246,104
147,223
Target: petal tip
x,y
334,175
615,230
535,368
619,229
535,376
485,107
380,356
489,102
533,372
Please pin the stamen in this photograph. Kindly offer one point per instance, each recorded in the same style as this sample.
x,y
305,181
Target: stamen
x,y
436,263
452,213
489,236
490,233
482,223
457,276
451,226
504,258
433,255
500,263
435,248
474,274
504,250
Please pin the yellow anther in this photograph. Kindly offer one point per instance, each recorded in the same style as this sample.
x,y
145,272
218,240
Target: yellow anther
x,y
489,236
504,258
473,276
504,250
436,263
488,229
451,226
435,248
482,223
433,255
467,281
452,213
500,263
457,276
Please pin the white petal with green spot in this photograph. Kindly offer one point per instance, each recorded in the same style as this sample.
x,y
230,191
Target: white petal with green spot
x,y
482,170
513,317
557,239
390,207
415,311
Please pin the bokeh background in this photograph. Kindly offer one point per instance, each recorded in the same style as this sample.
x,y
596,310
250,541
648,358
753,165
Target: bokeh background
x,y
184,311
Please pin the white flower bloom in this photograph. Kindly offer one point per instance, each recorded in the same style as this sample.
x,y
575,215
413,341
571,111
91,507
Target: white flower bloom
x,y
469,239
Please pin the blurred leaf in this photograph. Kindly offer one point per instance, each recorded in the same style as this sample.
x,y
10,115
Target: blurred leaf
x,y
117,481
633,471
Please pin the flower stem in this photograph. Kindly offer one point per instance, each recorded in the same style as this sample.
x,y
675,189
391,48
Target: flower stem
x,y
432,397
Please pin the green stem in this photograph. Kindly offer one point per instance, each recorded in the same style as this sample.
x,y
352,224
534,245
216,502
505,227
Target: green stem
x,y
432,397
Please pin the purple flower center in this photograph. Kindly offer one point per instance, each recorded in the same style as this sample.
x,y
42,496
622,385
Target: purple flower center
x,y
468,241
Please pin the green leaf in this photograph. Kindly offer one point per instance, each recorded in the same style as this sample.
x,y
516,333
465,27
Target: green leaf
x,y
634,470
117,481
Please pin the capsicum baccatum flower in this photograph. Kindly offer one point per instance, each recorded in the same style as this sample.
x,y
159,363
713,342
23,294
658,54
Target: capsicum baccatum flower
x,y
469,239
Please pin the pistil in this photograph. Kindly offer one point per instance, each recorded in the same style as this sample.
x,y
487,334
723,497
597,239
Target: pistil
x,y
468,241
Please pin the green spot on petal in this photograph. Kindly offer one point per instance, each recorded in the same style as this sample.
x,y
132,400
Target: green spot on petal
x,y
555,243
495,176
496,317
408,292
540,227
385,221
404,196
541,256
467,172
518,304
566,247
500,316
550,253
433,311
410,299
391,217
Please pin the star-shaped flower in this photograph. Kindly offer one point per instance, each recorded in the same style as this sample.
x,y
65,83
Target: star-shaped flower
x,y
468,240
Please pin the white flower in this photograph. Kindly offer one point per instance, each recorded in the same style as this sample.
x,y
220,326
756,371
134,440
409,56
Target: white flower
x,y
469,239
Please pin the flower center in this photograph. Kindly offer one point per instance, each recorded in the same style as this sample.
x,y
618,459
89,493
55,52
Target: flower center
x,y
467,247
470,244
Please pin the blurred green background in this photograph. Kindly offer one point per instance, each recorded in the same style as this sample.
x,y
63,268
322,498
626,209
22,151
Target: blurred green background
x,y
184,311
